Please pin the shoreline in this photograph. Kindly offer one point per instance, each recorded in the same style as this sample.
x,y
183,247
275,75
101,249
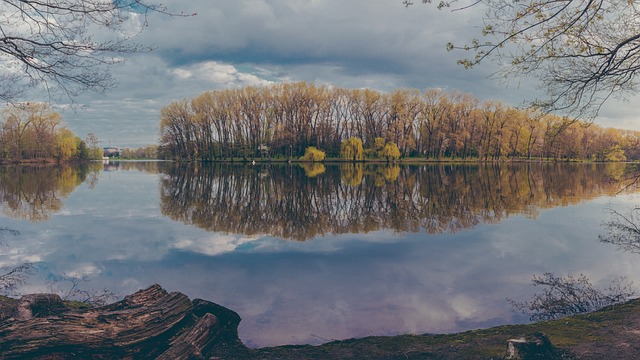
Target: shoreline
x,y
156,323
328,161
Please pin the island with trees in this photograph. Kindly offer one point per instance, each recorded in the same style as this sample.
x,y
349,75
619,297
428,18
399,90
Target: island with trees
x,y
304,121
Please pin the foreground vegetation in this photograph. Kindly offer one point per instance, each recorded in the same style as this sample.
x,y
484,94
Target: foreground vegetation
x,y
135,327
606,334
284,120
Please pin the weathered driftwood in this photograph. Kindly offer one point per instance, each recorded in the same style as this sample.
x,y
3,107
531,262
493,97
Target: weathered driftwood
x,y
148,324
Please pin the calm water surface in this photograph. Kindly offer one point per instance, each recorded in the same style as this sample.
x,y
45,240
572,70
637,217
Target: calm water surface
x,y
315,253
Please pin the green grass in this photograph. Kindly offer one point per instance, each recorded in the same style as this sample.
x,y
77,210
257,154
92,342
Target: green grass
x,y
597,330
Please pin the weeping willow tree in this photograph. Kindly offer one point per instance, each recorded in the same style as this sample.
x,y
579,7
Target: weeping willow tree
x,y
390,152
352,149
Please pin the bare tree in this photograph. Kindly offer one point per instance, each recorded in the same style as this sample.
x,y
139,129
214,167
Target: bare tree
x,y
582,51
67,45
69,288
565,296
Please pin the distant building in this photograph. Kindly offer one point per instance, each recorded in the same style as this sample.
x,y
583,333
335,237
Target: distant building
x,y
111,151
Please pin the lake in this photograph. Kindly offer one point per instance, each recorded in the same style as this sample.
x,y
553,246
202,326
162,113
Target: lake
x,y
311,253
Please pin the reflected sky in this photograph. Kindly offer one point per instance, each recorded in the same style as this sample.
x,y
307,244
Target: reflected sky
x,y
328,287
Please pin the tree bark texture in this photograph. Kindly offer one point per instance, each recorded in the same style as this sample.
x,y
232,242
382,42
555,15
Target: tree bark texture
x,y
149,324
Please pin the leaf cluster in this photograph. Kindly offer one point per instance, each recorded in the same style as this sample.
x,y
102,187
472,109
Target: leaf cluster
x,y
313,154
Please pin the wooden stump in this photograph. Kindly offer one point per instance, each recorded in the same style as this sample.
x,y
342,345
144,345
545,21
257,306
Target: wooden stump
x,y
533,346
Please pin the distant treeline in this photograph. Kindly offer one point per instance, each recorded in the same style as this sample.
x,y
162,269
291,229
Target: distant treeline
x,y
283,120
34,132
140,153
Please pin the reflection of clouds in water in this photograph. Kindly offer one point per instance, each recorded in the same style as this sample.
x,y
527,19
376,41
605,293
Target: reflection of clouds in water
x,y
331,287
74,212
83,270
19,251
472,281
132,282
355,304
214,245
336,287
16,258
465,306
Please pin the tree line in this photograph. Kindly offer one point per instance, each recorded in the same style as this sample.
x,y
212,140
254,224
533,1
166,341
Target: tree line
x,y
34,132
283,120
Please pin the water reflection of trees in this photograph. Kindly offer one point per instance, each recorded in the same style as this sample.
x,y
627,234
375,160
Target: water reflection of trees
x,y
35,192
300,203
150,167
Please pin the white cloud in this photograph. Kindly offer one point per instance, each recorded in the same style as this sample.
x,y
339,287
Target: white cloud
x,y
182,73
226,75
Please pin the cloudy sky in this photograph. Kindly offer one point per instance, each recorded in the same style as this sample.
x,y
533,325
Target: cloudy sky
x,y
378,44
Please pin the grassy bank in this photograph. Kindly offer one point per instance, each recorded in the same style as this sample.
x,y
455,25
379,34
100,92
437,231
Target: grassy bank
x,y
611,333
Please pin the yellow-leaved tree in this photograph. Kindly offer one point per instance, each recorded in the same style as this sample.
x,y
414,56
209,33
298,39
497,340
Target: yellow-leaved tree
x,y
34,131
352,149
313,154
390,151
67,146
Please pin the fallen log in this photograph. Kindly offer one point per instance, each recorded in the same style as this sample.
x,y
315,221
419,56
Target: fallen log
x,y
149,324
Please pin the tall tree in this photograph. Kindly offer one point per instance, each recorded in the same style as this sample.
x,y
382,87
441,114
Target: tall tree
x,y
29,130
176,131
